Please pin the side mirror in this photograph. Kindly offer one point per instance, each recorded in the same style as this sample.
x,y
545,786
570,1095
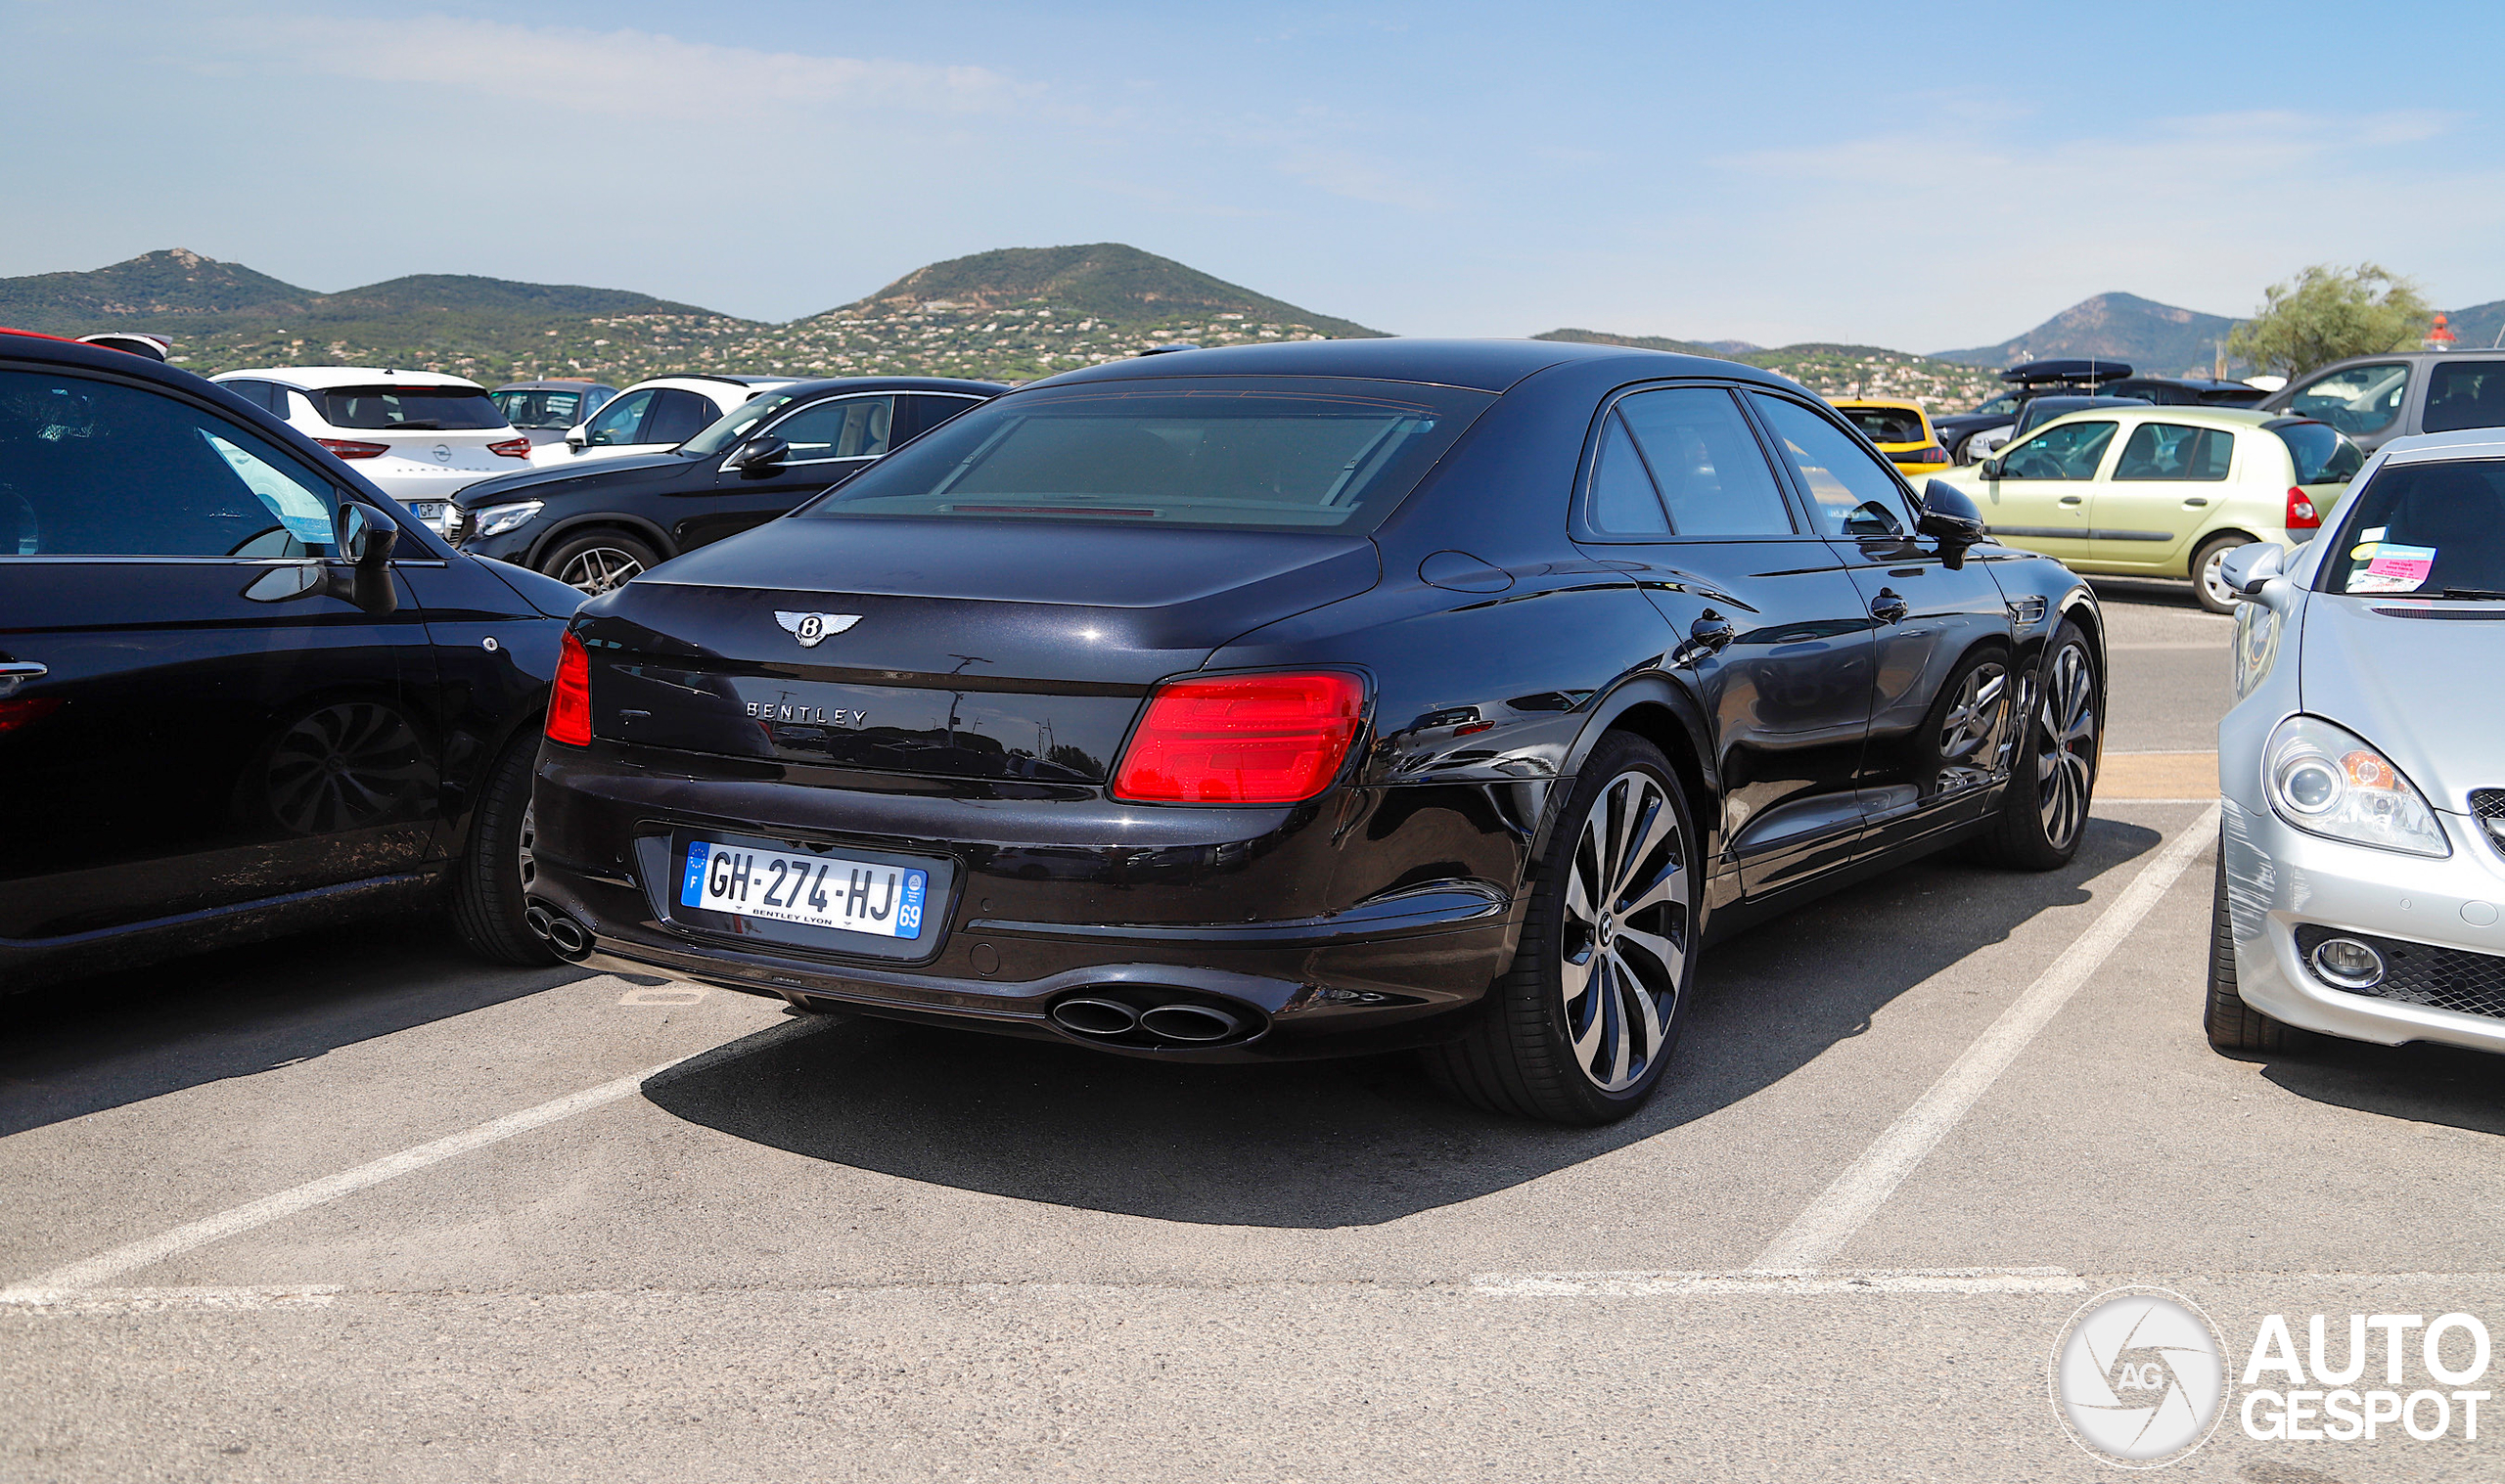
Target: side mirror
x,y
758,457
1990,469
366,539
2248,569
576,437
1950,518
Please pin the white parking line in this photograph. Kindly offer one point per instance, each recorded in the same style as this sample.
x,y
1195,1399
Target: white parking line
x,y
157,1300
1871,1280
108,1266
1819,1233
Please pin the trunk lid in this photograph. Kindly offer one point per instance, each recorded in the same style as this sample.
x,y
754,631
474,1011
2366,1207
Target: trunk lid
x,y
1000,652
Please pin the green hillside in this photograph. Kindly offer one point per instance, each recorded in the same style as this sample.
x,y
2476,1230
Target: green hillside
x,y
1013,314
1834,371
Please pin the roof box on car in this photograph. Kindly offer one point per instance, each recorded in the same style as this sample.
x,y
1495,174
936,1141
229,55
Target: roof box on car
x,y
2091,372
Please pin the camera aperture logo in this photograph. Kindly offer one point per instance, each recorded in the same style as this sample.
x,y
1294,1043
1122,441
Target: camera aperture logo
x,y
2137,1377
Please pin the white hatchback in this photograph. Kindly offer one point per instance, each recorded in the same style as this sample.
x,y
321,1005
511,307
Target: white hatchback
x,y
422,436
654,416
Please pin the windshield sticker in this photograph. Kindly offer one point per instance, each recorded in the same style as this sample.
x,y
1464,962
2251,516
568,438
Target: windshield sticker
x,y
2373,533
2395,569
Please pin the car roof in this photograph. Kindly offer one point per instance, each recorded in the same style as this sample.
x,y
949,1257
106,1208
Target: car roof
x,y
2189,417
556,383
1478,365
702,381
818,385
2482,442
318,378
1892,403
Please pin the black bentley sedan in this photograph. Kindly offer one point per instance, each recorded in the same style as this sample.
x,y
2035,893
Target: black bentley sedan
x,y
1294,699
240,689
597,526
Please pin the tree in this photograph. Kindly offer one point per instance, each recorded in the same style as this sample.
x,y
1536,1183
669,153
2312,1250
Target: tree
x,y
2328,314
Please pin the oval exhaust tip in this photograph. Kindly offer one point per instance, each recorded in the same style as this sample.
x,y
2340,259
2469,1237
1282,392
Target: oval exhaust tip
x,y
566,935
535,918
1095,1017
1190,1022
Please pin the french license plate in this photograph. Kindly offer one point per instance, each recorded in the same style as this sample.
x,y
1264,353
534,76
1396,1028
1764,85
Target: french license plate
x,y
815,890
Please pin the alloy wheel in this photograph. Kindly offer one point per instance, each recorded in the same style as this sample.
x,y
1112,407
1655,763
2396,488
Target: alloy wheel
x,y
2066,745
2214,580
599,569
1625,942
527,865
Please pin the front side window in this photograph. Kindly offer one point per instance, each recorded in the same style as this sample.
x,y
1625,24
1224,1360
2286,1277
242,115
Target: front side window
x,y
418,408
2359,399
1851,491
2071,451
101,468
2170,451
619,422
1701,455
851,427
2433,529
2465,394
1257,453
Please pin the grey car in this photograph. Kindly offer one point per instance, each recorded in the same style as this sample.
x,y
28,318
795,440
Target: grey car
x,y
2361,858
2377,398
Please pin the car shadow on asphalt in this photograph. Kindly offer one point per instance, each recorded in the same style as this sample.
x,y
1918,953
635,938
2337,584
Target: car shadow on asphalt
x,y
82,1046
1353,1143
2420,1082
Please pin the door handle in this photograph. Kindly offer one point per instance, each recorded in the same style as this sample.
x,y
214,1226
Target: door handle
x,y
1707,636
2195,502
1889,606
17,672
2073,499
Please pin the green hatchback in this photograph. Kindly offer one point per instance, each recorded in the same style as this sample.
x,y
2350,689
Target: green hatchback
x,y
2163,491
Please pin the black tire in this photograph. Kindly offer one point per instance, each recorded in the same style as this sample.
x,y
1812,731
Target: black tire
x,y
493,878
2235,1027
2204,582
600,560
1524,1054
2052,776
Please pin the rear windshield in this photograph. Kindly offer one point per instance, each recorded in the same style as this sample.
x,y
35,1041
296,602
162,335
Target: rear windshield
x,y
416,407
2322,456
2433,529
540,409
1280,454
1886,425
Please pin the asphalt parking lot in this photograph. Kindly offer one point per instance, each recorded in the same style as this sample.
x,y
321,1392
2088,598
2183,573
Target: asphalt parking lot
x,y
349,1206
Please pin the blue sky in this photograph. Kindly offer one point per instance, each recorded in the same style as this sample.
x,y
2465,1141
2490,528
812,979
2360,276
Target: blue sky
x,y
1921,176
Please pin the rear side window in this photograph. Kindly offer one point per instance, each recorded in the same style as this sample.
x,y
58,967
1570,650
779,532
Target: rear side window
x,y
418,408
1850,491
1693,446
100,468
2465,394
2356,400
2320,455
1283,453
676,417
2170,451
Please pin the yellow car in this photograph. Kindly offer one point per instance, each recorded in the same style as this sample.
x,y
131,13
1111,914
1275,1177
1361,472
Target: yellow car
x,y
1902,432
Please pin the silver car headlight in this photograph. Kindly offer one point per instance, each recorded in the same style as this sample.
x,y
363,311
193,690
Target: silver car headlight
x,y
2325,781
496,519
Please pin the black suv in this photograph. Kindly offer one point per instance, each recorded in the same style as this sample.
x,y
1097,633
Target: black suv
x,y
598,525
240,689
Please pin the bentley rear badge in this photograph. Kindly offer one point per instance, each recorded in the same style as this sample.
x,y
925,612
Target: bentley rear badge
x,y
809,628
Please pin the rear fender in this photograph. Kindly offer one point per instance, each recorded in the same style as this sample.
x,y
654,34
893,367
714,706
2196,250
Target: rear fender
x,y
1655,706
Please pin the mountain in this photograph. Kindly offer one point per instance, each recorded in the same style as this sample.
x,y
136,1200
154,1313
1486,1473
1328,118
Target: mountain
x,y
1012,314
2476,328
2157,339
1831,371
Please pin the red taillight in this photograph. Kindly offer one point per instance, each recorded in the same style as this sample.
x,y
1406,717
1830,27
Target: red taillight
x,y
19,711
2300,512
1241,738
1932,454
348,449
510,448
569,699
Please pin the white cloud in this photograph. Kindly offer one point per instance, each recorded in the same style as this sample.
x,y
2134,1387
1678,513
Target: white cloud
x,y
635,75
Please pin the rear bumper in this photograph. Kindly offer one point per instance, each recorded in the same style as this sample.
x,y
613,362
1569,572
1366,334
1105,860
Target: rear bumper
x,y
1238,909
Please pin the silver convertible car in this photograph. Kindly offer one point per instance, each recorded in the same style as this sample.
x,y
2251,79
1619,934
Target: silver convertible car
x,y
2361,859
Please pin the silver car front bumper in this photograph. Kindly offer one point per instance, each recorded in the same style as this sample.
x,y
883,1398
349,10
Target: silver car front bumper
x,y
2279,879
